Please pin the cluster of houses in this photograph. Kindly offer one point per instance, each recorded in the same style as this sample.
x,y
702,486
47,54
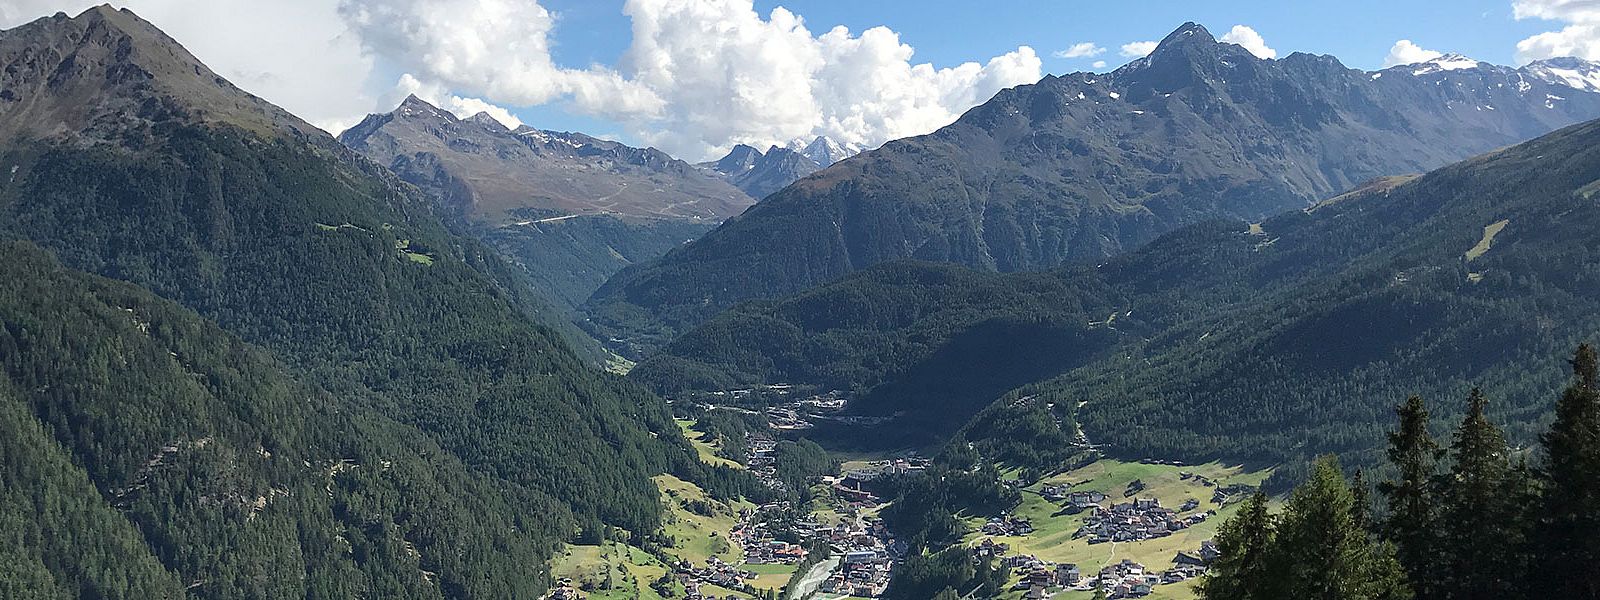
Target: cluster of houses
x,y
867,553
1034,577
1008,525
1139,520
715,572
853,485
862,572
866,549
564,590
1126,579
1221,494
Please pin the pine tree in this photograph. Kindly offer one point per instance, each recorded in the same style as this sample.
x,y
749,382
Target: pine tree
x,y
1361,506
1243,570
1478,516
1320,554
1568,535
1412,523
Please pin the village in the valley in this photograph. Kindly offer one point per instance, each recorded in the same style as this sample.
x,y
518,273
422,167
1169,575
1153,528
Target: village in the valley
x,y
1131,530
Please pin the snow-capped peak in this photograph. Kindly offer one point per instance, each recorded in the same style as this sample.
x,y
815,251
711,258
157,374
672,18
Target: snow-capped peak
x,y
1447,62
1571,72
823,150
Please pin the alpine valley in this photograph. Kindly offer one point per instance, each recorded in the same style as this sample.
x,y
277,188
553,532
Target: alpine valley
x,y
1207,325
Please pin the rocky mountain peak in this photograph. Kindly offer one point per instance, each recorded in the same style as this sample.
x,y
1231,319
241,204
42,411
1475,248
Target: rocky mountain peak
x,y
742,158
484,119
108,73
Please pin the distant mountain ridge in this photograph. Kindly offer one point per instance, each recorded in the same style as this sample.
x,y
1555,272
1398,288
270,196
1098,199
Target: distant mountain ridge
x,y
570,208
762,173
1268,342
489,171
1080,167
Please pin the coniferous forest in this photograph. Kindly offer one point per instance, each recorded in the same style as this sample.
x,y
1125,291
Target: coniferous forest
x,y
1464,517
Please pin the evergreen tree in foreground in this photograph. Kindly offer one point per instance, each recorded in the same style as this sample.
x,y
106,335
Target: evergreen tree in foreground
x,y
1568,529
1319,551
1413,507
1315,551
1244,569
1480,520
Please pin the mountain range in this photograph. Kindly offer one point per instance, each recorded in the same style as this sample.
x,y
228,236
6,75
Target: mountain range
x,y
1264,342
569,208
1081,167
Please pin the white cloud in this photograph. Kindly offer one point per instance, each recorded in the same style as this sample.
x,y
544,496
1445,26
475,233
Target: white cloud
x,y
296,53
1080,50
1099,64
727,75
499,49
1405,52
1252,41
698,76
1138,49
1580,37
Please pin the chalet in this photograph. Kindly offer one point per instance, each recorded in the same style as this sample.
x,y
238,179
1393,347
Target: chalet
x,y
1067,575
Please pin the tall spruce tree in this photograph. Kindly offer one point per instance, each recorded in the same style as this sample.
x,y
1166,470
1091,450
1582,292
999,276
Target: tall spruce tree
x,y
1319,552
1412,522
1243,571
1568,535
1361,505
1479,515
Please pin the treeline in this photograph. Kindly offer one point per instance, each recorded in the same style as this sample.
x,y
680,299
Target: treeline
x,y
1474,519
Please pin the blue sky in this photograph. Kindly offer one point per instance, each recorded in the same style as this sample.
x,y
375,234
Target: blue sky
x,y
708,74
950,32
945,32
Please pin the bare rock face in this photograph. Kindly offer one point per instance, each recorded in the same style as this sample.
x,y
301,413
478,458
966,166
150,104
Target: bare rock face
x,y
107,74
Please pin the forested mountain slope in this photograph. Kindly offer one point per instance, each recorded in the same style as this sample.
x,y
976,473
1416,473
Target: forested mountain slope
x,y
1286,338
288,240
1080,167
148,451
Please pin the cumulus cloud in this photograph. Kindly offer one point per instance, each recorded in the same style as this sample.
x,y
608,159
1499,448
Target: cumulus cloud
x,y
1080,50
296,53
497,49
1099,64
1405,52
1138,49
697,77
729,75
1252,41
1580,37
